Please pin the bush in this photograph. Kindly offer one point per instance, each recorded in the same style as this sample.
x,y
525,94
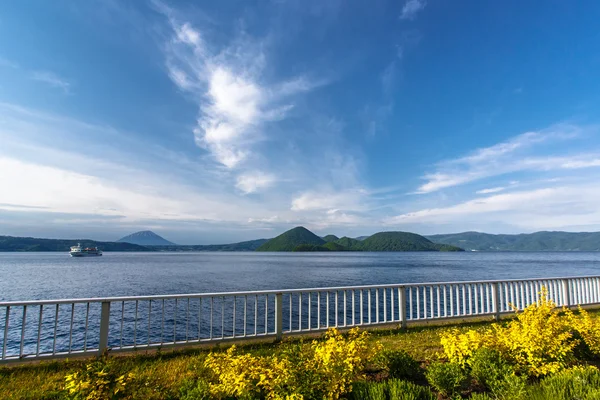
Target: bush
x,y
538,342
322,369
194,390
492,372
98,381
393,389
400,365
447,378
575,383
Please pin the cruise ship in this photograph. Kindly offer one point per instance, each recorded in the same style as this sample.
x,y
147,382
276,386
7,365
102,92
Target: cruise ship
x,y
78,251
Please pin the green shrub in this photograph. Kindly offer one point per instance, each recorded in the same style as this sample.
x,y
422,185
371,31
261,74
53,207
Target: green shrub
x,y
480,396
194,390
401,365
98,380
494,373
403,390
393,389
581,383
446,378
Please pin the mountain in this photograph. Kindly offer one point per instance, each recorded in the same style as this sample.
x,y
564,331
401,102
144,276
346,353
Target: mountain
x,y
11,243
330,238
289,240
402,241
145,238
301,239
349,243
361,238
538,241
249,245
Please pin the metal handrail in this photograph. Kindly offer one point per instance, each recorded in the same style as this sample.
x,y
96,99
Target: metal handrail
x,y
45,329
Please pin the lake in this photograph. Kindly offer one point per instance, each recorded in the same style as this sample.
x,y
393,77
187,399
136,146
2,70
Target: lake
x,y
35,276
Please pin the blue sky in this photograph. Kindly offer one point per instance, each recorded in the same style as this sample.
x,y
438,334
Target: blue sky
x,y
212,122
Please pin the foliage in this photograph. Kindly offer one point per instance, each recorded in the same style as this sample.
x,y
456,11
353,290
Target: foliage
x,y
194,390
398,241
585,328
538,342
393,389
310,247
350,244
330,238
493,372
287,241
447,378
401,365
575,383
333,246
323,369
98,381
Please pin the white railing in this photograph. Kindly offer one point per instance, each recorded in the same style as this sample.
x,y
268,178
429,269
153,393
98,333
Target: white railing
x,y
62,328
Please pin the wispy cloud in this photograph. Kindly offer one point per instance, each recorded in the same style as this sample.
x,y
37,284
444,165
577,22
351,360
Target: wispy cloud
x,y
8,63
513,155
235,100
253,181
412,8
491,190
51,79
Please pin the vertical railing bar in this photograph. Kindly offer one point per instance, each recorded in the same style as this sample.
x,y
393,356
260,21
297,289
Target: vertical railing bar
x,y
122,319
392,303
149,320
162,324
55,329
256,315
39,335
410,302
135,324
71,327
85,334
369,301
439,304
470,297
222,317
431,301
23,324
362,304
476,294
384,304
245,314
299,311
234,313
200,318
345,309
377,305
175,320
451,299
336,309
318,310
266,313
309,311
418,290
464,299
187,320
5,332
291,307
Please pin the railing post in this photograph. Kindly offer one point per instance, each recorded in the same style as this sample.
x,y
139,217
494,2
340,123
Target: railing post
x,y
104,323
566,293
402,306
496,300
279,316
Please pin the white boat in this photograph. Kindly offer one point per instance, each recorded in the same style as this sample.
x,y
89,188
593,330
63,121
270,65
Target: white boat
x,y
78,251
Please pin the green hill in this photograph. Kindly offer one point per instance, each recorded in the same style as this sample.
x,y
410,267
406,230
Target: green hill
x,y
11,243
402,241
289,240
330,238
333,246
538,241
350,244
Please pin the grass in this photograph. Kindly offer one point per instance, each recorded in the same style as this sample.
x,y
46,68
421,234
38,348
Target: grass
x,y
160,375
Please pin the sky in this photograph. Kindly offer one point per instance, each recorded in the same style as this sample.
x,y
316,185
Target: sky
x,y
215,122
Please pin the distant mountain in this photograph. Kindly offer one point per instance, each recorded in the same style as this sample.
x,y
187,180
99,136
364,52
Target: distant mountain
x,y
249,245
361,237
538,241
11,243
145,238
402,241
330,238
289,240
301,239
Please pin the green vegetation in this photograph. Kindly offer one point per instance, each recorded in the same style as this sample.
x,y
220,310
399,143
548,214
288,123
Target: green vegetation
x,y
330,238
249,245
10,243
289,240
384,365
402,241
301,239
539,241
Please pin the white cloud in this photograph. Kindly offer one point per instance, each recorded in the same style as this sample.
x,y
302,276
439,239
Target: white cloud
x,y
509,157
234,99
411,8
51,79
254,181
491,190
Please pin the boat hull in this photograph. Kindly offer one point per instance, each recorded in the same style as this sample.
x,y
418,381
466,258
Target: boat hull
x,y
86,254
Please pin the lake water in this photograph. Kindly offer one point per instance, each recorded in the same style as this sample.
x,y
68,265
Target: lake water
x,y
34,276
